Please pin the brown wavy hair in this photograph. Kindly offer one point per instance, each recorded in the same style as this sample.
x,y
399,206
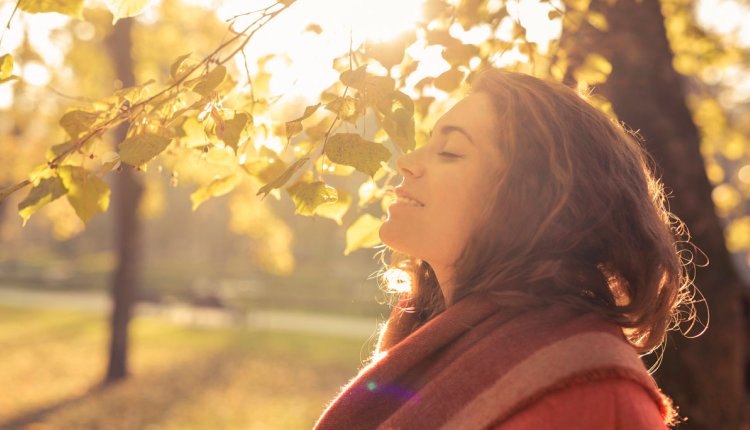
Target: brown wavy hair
x,y
577,216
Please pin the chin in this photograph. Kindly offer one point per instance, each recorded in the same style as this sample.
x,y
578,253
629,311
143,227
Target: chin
x,y
397,238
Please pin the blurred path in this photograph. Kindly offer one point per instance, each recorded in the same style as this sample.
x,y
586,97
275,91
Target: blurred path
x,y
275,320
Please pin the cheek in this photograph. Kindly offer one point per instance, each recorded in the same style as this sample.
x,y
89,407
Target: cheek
x,y
456,215
464,204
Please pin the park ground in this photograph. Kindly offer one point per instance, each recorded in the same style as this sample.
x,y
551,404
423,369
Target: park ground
x,y
183,376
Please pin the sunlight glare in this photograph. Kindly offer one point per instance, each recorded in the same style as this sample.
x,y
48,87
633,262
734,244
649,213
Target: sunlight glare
x,y
397,280
310,72
727,17
35,73
266,138
533,15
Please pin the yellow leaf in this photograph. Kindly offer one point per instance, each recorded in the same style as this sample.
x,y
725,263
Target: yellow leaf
x,y
77,122
6,66
347,108
294,127
336,210
177,69
46,191
594,70
125,8
598,21
233,129
460,54
363,233
314,28
368,192
449,81
217,187
354,78
391,52
327,167
399,123
87,193
67,7
282,178
210,81
738,234
350,149
141,148
307,196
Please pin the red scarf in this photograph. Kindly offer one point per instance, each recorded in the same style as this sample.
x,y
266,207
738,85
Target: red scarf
x,y
477,363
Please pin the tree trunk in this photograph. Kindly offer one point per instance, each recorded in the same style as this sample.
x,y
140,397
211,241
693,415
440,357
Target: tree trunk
x,y
705,375
127,191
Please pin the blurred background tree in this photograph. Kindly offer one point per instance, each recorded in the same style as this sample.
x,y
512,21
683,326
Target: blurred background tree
x,y
258,108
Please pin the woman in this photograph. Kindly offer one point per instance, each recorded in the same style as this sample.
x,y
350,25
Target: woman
x,y
542,261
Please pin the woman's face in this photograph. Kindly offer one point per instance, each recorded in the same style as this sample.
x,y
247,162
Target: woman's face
x,y
451,178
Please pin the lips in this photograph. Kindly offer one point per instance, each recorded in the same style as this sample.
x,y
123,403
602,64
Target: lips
x,y
402,193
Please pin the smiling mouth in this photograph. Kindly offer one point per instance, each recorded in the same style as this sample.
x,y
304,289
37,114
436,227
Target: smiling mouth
x,y
408,201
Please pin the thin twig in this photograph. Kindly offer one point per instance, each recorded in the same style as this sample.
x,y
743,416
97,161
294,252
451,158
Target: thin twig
x,y
7,26
136,108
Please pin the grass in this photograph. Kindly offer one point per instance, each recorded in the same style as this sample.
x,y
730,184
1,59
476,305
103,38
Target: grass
x,y
182,377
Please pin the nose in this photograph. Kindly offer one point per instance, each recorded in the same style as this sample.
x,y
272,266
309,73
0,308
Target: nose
x,y
408,165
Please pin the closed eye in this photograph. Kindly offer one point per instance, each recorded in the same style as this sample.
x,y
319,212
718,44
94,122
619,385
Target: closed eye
x,y
449,155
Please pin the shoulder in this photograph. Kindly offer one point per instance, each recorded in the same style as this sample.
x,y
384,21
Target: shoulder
x,y
585,376
614,403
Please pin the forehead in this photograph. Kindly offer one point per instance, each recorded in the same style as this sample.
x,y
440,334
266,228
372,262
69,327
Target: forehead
x,y
475,113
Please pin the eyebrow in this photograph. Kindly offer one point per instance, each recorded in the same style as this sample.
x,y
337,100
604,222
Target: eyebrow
x,y
446,129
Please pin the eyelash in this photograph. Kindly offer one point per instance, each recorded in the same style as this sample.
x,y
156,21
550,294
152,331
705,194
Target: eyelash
x,y
449,155
446,154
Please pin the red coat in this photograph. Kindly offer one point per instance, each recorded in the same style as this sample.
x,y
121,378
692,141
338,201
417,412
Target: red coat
x,y
485,365
606,404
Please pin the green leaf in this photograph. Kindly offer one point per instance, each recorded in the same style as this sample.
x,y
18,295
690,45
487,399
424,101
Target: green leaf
x,y
177,69
215,188
363,233
307,196
210,81
141,148
282,179
233,129
350,149
67,7
294,127
335,210
87,193
6,66
125,8
77,122
47,190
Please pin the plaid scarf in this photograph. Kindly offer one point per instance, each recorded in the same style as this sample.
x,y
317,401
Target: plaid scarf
x,y
477,363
